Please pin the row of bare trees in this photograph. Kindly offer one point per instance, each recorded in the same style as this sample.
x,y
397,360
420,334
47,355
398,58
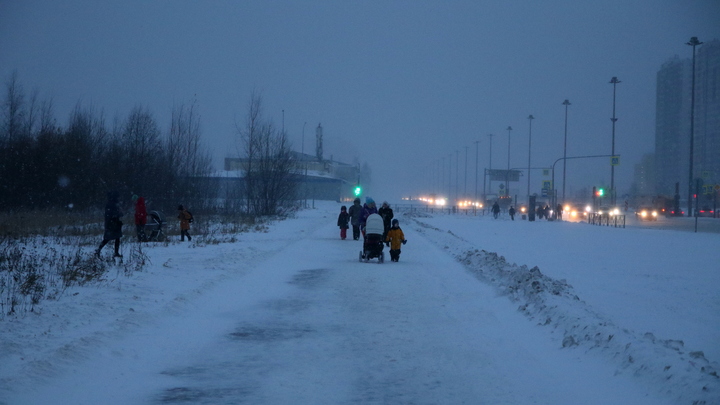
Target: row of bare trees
x,y
45,165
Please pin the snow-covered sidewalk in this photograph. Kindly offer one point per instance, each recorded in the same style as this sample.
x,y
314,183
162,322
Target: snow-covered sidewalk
x,y
291,316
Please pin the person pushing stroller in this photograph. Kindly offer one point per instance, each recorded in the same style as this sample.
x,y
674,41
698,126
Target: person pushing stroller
x,y
395,239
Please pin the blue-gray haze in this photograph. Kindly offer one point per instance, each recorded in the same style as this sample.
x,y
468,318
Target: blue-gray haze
x,y
401,85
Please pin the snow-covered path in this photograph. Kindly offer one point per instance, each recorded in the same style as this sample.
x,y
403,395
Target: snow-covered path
x,y
291,316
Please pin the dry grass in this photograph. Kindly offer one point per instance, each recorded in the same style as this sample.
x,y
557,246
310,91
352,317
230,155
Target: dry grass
x,y
22,224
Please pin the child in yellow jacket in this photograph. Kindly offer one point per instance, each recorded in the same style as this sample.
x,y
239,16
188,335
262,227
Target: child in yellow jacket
x,y
395,239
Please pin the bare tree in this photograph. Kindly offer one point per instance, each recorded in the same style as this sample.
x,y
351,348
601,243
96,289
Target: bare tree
x,y
187,155
249,136
13,113
268,164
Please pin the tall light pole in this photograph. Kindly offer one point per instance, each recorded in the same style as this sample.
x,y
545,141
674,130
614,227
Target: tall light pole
x,y
530,118
438,190
457,173
477,149
449,177
507,174
614,82
490,168
693,42
465,191
566,103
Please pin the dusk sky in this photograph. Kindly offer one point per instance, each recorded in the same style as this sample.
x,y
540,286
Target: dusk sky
x,y
397,84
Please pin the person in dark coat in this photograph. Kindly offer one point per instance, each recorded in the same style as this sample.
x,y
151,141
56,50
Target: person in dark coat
x,y
387,215
342,222
140,218
540,212
559,212
355,212
113,223
368,208
495,210
512,213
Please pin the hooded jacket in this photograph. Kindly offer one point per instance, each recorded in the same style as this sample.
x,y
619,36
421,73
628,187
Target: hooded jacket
x,y
140,212
395,236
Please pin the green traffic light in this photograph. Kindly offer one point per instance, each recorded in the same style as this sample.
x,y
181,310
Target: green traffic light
x,y
601,192
358,191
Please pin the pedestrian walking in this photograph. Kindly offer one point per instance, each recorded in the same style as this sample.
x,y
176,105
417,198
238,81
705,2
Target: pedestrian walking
x,y
185,218
495,210
113,223
140,218
342,222
395,239
368,209
355,212
387,215
511,211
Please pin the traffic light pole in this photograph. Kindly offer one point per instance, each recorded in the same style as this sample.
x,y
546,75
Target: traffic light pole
x,y
554,194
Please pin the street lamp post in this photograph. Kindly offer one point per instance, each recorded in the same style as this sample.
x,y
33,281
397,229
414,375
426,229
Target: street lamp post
x,y
489,168
530,118
507,174
566,103
693,42
450,177
614,82
440,178
477,149
465,191
457,173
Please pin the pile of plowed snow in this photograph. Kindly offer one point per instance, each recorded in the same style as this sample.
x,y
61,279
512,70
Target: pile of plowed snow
x,y
686,376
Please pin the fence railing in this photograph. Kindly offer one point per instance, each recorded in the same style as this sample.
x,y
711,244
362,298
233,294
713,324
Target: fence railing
x,y
617,221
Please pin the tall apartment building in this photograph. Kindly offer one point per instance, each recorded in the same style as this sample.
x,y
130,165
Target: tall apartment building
x,y
672,120
707,113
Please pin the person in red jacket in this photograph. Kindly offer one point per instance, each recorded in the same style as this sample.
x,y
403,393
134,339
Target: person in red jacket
x,y
140,218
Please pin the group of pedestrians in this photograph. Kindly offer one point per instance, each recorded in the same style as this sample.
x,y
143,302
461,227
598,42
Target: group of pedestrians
x,y
357,217
540,211
548,213
113,222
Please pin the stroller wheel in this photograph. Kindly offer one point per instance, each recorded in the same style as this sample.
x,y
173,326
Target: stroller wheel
x,y
381,259
361,257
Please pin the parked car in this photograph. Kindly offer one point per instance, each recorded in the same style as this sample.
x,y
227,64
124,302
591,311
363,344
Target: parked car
x,y
646,214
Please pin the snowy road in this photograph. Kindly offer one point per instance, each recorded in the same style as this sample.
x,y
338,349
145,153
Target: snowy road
x,y
304,322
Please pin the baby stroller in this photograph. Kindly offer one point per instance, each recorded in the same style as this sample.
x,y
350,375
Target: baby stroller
x,y
373,243
154,226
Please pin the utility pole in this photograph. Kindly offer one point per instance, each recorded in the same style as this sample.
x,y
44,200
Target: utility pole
x,y
507,174
614,82
566,103
457,173
465,191
476,169
530,118
490,168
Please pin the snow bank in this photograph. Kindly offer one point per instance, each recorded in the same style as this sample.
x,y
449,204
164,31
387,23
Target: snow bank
x,y
685,376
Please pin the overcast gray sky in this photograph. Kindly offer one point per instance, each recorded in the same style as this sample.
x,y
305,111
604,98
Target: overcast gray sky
x,y
397,84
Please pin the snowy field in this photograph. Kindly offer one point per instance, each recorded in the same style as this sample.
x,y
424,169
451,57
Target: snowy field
x,y
609,316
